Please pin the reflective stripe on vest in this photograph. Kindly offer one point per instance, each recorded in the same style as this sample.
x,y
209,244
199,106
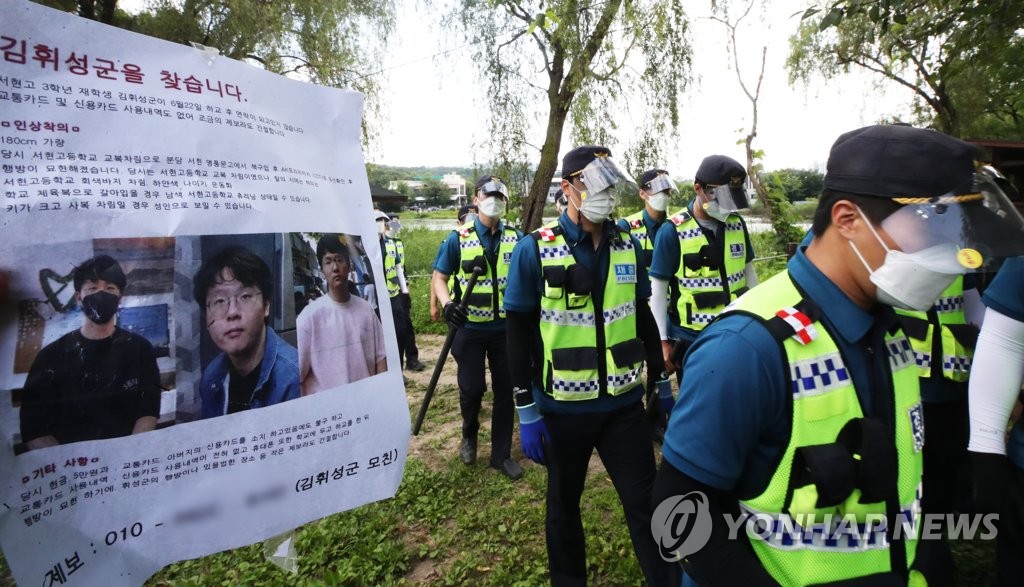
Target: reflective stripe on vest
x,y
706,280
824,400
638,229
569,323
391,258
470,248
947,311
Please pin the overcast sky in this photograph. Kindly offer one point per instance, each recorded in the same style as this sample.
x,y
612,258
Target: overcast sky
x,y
435,110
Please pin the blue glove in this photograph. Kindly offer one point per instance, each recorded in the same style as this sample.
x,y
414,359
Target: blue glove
x,y
533,433
665,400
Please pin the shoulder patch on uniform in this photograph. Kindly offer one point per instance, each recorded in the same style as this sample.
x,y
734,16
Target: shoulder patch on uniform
x,y
680,217
636,223
463,232
546,233
800,326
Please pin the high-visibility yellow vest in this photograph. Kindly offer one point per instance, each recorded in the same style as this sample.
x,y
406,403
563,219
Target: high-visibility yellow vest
x,y
638,229
392,258
705,283
824,404
570,322
486,303
956,341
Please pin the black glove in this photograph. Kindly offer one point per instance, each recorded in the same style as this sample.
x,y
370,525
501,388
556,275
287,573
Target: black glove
x,y
406,302
990,474
455,314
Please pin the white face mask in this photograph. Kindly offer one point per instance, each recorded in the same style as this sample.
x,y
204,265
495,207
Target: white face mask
x,y
492,206
469,218
711,209
659,201
381,227
912,281
596,207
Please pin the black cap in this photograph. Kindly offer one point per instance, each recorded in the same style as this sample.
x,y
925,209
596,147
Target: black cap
x,y
480,181
580,157
720,170
649,175
894,160
465,210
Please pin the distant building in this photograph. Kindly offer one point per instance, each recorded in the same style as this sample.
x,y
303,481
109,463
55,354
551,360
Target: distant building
x,y
453,181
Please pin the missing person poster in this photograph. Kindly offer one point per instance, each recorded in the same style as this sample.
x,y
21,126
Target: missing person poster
x,y
192,352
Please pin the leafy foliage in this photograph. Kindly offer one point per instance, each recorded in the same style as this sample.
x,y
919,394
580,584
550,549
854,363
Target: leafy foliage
x,y
329,42
960,59
594,58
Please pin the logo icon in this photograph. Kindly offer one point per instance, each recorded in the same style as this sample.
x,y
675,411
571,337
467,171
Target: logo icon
x,y
681,525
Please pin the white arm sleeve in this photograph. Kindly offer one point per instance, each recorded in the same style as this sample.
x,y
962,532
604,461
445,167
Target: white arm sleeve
x,y
402,286
750,275
996,374
659,305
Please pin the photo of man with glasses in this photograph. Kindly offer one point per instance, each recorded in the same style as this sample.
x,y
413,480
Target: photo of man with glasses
x,y
255,368
340,337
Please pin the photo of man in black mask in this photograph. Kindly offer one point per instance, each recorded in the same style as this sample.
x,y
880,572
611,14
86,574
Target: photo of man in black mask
x,y
99,381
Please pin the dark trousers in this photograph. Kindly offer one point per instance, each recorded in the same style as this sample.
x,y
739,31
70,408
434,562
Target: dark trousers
x,y
623,441
945,448
945,451
470,348
404,333
1010,540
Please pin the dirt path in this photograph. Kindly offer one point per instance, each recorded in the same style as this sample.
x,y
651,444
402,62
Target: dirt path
x,y
439,436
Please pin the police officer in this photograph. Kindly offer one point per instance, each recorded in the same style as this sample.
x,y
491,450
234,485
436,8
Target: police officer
x,y
579,332
803,398
943,340
460,219
485,242
996,379
656,190
393,251
702,257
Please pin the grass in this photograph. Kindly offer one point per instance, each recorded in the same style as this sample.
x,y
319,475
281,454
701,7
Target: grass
x,y
450,524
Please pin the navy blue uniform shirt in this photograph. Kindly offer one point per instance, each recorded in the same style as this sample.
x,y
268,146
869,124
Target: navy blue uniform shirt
x,y
731,423
666,262
449,259
525,288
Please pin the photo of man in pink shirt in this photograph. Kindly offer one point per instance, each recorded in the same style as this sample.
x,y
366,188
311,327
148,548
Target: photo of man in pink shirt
x,y
340,338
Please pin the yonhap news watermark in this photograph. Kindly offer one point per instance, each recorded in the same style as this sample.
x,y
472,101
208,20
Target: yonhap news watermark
x,y
682,525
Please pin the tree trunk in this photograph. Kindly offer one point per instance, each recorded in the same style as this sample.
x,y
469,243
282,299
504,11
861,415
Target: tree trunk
x,y
533,206
107,11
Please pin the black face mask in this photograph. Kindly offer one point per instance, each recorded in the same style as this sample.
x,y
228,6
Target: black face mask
x,y
101,306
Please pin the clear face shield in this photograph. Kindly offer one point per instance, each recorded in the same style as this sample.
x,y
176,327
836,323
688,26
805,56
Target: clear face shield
x,y
604,178
661,183
723,200
493,187
960,233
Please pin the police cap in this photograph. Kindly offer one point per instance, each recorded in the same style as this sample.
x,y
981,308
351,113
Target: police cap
x,y
580,157
649,175
894,160
720,170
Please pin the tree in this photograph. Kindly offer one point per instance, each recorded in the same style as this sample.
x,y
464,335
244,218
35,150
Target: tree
x,y
106,11
592,56
961,59
435,192
334,43
773,200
